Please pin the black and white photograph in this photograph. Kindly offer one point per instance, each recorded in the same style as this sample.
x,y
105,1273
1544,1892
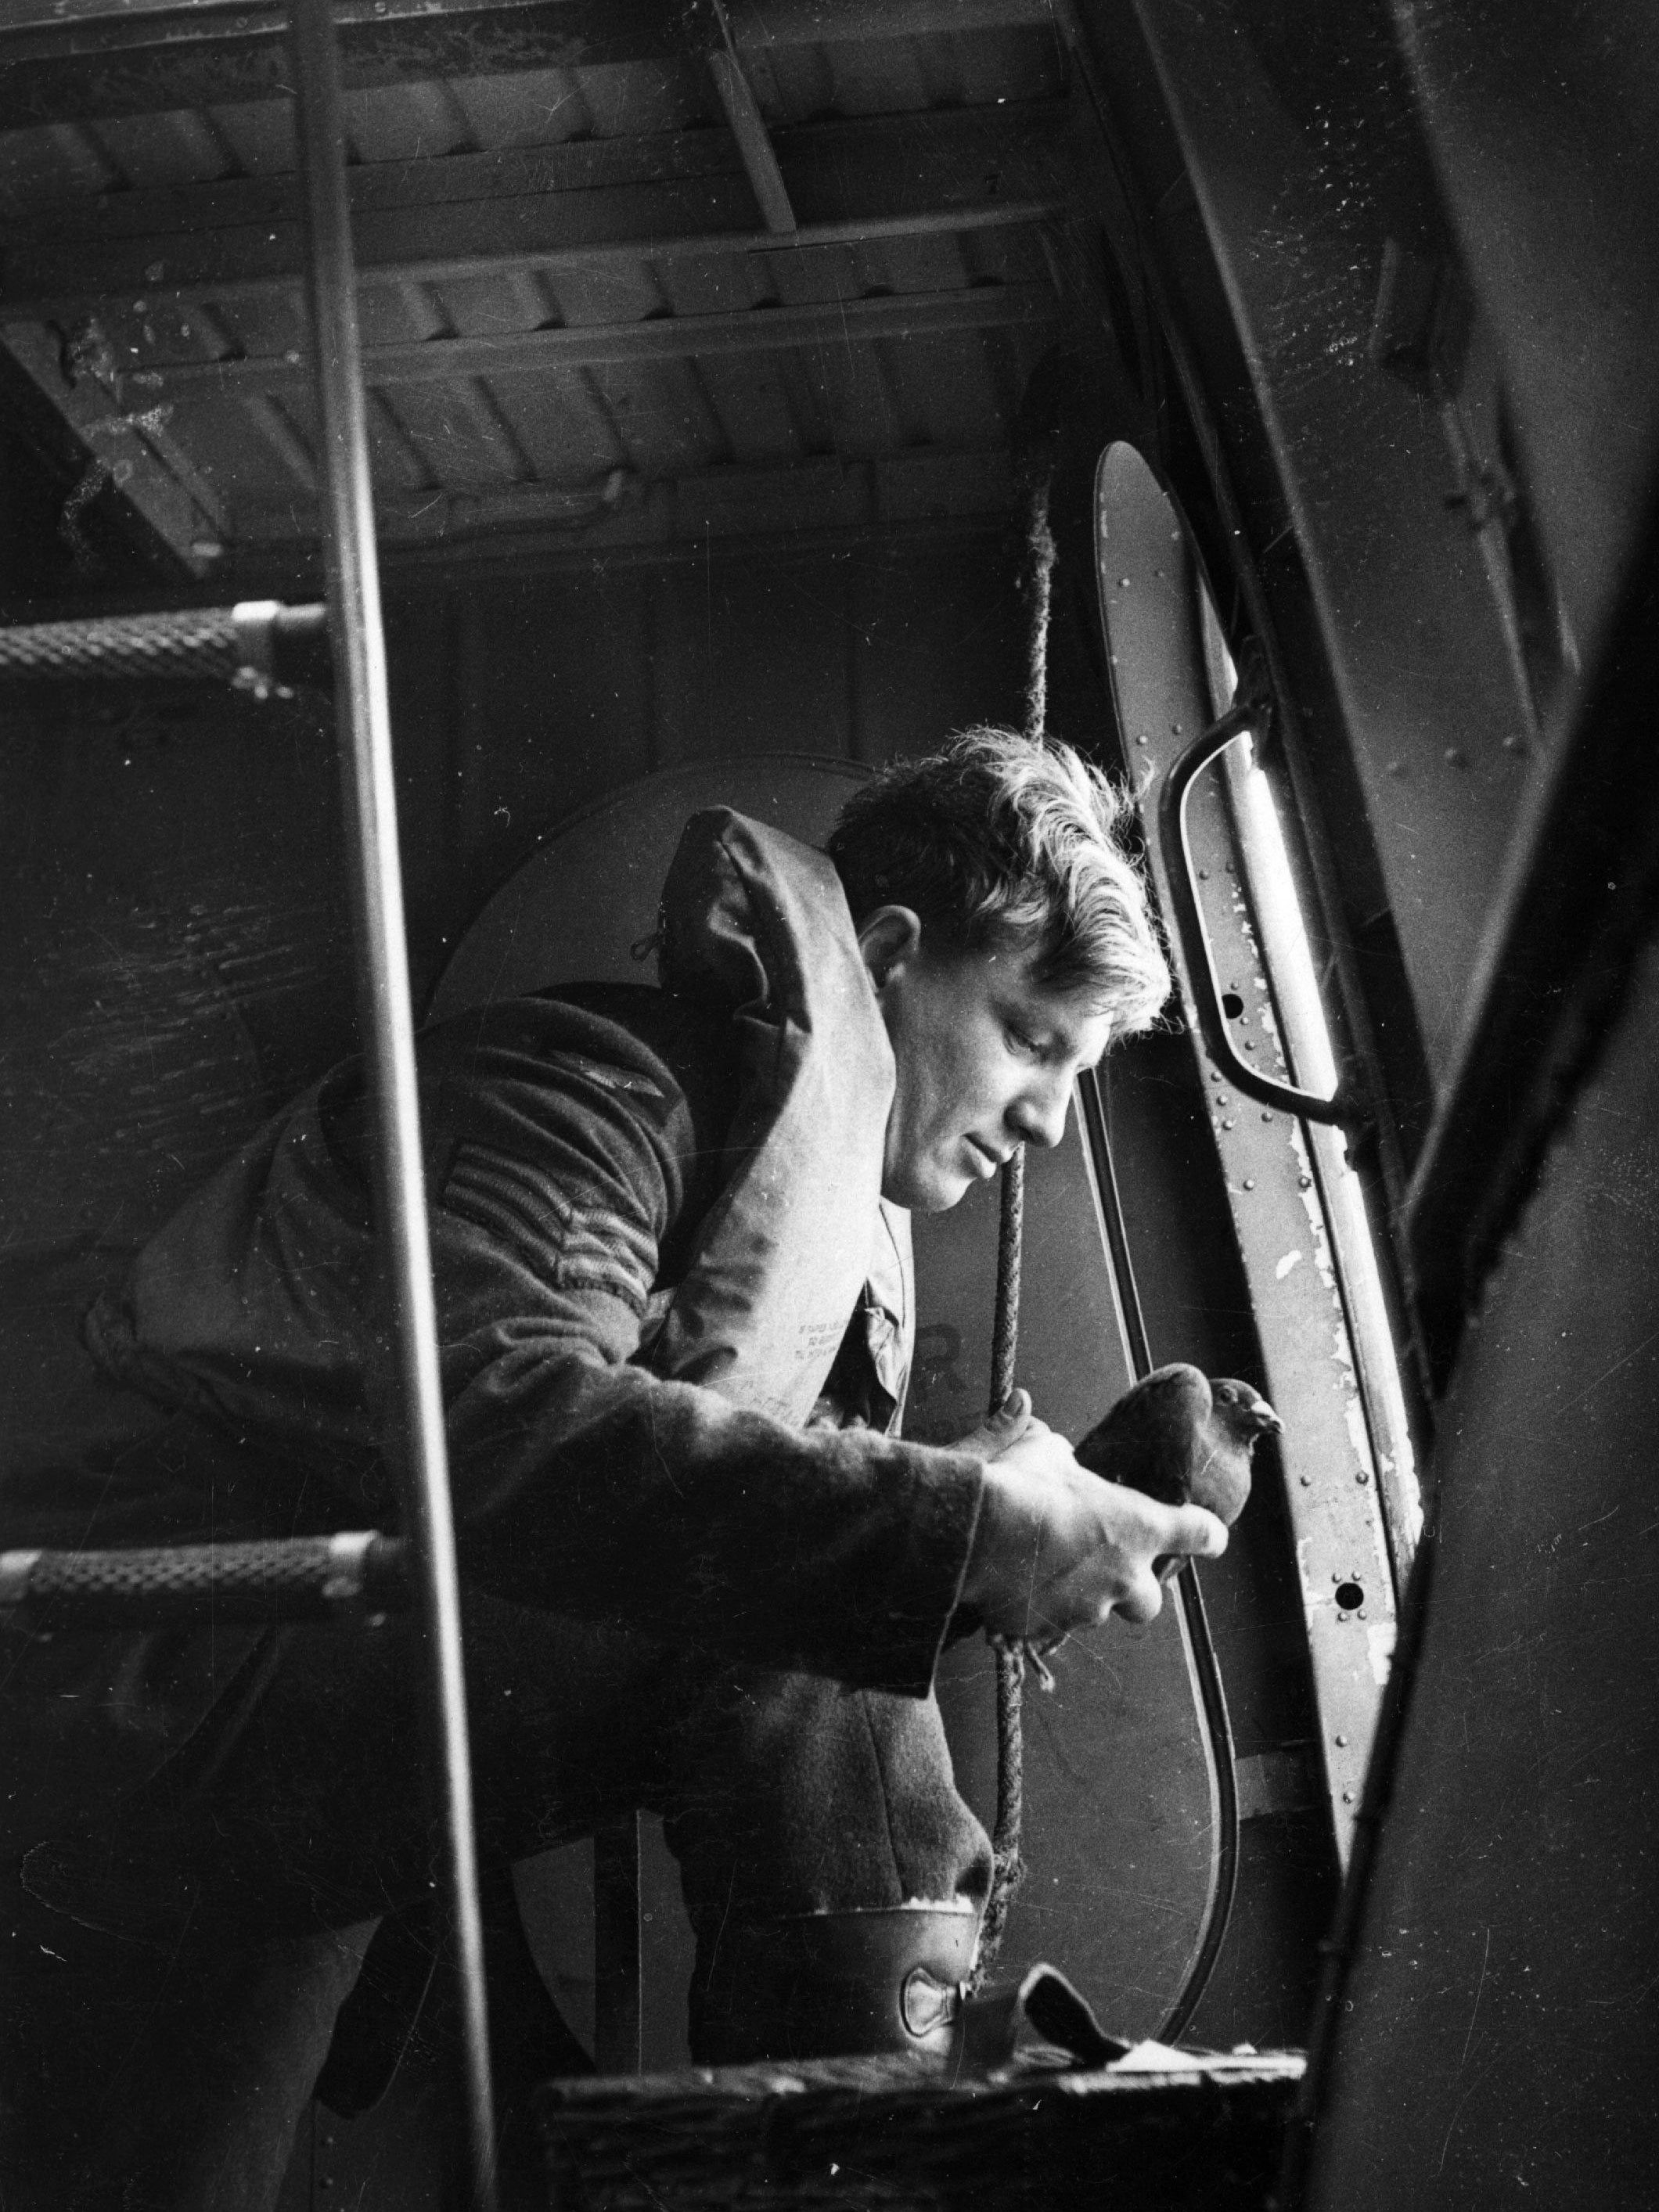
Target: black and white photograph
x,y
828,1105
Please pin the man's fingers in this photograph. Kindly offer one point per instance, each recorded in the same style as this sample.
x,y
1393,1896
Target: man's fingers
x,y
1196,1533
1006,1426
1144,1599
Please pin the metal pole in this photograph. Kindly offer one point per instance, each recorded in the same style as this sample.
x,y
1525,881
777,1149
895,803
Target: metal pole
x,y
415,1439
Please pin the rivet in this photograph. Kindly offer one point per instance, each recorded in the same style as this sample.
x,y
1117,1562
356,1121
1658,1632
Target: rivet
x,y
1304,1182
1396,767
1266,1117
1249,1182
1141,739
1512,743
1123,583
1336,1577
1204,875
1231,871
1362,1478
1347,1796
1454,756
1248,1046
1361,1614
1341,1616
1223,1097
1175,729
1342,1740
1228,1122
1307,1482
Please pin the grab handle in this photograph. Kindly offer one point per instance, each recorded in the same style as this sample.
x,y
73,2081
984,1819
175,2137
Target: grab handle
x,y
1343,1109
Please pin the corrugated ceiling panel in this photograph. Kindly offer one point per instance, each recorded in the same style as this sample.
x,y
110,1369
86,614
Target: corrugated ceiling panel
x,y
561,425
405,123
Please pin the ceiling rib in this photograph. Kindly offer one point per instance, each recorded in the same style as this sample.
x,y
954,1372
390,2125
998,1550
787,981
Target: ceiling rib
x,y
669,337
753,143
698,245
940,486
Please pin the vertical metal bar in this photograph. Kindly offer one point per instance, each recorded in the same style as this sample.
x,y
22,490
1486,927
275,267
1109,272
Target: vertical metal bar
x,y
415,1437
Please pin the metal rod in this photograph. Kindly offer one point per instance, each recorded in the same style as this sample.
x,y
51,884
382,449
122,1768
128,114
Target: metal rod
x,y
416,1418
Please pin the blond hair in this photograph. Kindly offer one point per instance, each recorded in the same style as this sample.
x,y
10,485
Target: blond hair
x,y
1001,839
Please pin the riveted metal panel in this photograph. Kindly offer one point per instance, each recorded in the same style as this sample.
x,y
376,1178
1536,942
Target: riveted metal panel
x,y
1149,587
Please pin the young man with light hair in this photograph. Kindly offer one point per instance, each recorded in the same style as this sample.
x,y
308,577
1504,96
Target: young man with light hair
x,y
705,1575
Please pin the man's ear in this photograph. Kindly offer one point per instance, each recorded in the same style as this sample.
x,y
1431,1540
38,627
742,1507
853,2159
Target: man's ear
x,y
889,936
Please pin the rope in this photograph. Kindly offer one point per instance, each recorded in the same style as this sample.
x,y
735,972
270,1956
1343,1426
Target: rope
x,y
1007,1867
1040,587
1007,1864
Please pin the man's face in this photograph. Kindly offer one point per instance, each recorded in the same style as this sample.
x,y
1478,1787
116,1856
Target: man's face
x,y
985,1059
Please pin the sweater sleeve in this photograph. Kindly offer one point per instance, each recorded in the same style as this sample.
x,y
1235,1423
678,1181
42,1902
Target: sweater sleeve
x,y
586,1485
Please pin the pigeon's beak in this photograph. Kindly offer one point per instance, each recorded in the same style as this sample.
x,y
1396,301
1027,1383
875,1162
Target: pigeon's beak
x,y
1267,1418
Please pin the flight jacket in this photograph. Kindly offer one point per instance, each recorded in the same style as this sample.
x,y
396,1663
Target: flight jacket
x,y
673,1313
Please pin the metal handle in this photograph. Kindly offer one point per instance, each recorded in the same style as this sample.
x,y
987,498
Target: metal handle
x,y
347,1578
259,646
1343,1109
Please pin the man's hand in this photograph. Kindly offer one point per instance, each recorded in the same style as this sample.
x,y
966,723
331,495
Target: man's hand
x,y
1057,1549
998,1430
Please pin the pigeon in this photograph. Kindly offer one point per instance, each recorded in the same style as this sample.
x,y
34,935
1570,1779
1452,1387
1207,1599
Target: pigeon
x,y
1183,1440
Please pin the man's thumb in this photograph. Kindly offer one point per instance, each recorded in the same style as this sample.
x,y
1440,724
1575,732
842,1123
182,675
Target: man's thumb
x,y
1011,1420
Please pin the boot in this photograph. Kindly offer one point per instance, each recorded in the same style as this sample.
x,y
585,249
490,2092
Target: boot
x,y
835,1984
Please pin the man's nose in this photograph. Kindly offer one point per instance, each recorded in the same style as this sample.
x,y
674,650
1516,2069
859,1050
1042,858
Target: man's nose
x,y
1039,1114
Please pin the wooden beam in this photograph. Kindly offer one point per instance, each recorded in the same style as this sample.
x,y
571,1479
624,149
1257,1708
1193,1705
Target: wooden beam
x,y
130,449
474,214
144,63
928,486
584,345
771,193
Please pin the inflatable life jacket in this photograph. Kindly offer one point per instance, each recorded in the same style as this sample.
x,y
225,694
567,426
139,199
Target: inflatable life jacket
x,y
247,1307
800,1238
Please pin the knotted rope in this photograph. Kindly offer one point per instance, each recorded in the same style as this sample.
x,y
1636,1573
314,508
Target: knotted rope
x,y
1007,1867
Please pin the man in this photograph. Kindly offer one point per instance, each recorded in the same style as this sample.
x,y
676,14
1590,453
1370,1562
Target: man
x,y
703,1578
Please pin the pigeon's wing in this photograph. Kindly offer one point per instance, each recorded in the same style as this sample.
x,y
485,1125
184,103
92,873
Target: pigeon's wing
x,y
1152,1437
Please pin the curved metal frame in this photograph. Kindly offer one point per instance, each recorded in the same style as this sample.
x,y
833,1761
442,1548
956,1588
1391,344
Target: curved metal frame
x,y
1247,716
1206,1663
